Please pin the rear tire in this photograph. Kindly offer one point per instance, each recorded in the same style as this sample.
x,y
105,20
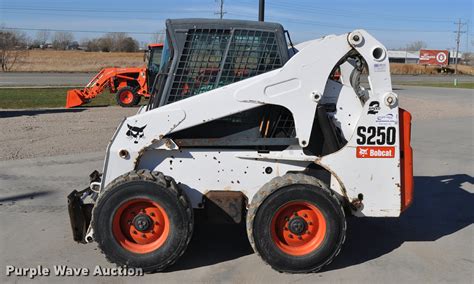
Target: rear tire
x,y
137,101
143,220
127,97
296,224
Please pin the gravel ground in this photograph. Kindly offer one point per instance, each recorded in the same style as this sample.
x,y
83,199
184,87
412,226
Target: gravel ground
x,y
51,132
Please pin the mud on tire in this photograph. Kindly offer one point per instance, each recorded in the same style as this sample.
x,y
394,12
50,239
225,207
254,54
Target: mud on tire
x,y
143,220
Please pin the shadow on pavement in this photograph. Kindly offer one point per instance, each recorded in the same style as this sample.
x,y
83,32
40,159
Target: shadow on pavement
x,y
33,112
213,244
23,196
440,208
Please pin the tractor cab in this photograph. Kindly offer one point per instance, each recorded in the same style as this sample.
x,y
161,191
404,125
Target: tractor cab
x,y
153,61
203,54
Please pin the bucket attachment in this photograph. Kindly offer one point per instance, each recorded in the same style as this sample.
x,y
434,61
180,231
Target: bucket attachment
x,y
74,98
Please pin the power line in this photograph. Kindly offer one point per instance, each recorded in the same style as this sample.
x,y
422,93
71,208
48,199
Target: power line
x,y
80,31
99,10
344,27
348,13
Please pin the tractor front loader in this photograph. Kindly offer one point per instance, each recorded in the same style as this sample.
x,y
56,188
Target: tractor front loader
x,y
240,128
129,83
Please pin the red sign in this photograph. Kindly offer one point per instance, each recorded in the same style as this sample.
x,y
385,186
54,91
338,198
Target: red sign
x,y
375,152
434,57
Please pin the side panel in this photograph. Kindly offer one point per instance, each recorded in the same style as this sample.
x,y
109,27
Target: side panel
x,y
199,171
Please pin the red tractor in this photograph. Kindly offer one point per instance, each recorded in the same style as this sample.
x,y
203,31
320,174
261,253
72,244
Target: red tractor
x,y
129,84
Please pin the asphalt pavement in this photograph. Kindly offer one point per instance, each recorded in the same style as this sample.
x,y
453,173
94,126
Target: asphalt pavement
x,y
39,79
431,242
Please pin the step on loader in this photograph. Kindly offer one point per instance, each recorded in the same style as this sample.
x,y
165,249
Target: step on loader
x,y
242,128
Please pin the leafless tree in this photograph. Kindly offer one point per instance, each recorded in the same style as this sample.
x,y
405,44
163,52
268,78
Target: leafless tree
x,y
158,37
42,37
112,42
13,48
61,40
416,45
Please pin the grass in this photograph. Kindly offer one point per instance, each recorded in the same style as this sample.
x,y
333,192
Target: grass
x,y
460,85
76,61
416,69
81,61
45,98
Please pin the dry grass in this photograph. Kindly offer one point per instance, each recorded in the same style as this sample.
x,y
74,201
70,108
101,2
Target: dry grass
x,y
76,61
80,61
415,69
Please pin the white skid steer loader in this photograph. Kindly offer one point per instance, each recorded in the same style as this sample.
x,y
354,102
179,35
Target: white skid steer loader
x,y
243,129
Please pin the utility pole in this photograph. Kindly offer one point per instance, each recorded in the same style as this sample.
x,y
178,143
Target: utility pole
x,y
261,10
221,10
460,24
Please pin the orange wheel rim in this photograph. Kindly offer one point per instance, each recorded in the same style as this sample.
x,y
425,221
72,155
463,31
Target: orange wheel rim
x,y
298,228
126,97
140,226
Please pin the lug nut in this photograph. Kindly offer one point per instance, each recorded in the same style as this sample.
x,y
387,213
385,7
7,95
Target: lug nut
x,y
152,214
290,236
300,238
143,236
286,229
135,232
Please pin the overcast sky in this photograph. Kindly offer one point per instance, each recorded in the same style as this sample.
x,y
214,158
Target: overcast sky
x,y
395,23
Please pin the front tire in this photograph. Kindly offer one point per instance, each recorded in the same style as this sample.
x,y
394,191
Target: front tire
x,y
127,97
296,224
143,220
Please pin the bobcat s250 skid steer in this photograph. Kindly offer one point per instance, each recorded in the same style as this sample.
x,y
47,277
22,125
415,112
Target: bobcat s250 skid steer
x,y
243,128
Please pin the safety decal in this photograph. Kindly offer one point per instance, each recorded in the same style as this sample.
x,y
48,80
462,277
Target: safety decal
x,y
135,133
376,135
375,152
387,119
380,67
374,107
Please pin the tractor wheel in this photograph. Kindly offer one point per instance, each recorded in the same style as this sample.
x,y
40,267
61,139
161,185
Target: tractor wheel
x,y
296,224
137,101
143,220
127,97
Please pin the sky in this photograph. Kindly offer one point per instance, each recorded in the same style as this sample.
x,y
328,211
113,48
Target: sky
x,y
395,23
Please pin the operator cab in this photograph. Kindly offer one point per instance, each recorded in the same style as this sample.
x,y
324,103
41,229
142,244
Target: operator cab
x,y
203,54
153,61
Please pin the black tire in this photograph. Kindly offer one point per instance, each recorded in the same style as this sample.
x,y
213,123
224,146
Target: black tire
x,y
137,101
122,97
275,195
153,186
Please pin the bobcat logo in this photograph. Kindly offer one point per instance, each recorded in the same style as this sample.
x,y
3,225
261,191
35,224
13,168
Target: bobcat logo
x,y
135,133
363,152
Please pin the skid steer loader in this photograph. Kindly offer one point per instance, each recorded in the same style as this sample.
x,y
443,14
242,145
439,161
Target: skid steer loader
x,y
243,129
